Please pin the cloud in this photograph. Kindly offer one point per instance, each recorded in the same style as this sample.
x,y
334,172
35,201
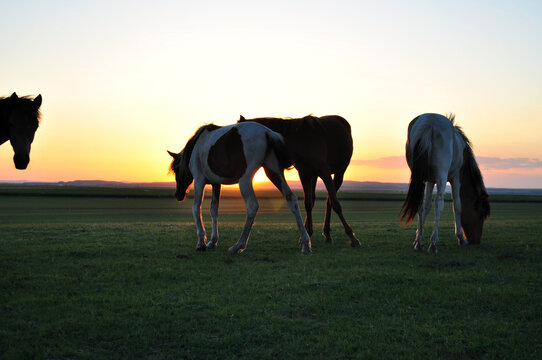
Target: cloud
x,y
488,162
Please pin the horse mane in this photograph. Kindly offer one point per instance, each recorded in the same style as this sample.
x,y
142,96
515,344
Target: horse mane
x,y
459,130
183,161
25,101
470,168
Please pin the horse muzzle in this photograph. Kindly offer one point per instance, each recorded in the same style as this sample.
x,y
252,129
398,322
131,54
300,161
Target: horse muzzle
x,y
21,161
180,196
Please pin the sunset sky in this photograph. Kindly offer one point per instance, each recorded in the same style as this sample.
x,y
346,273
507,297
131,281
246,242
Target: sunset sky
x,y
124,81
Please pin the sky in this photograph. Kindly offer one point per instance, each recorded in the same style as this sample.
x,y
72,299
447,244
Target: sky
x,y
124,81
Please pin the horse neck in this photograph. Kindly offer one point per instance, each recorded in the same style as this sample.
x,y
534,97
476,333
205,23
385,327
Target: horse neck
x,y
468,190
472,184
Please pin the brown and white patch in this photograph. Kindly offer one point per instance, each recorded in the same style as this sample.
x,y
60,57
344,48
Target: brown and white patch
x,y
226,157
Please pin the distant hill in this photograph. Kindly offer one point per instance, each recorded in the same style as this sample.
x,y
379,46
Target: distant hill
x,y
350,186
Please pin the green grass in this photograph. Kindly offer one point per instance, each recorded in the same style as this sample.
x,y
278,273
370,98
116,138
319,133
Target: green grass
x,y
107,277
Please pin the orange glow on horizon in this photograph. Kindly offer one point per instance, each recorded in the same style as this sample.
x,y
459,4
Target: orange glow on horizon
x,y
144,79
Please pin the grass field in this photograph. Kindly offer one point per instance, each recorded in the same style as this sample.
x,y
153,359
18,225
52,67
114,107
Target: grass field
x,y
106,277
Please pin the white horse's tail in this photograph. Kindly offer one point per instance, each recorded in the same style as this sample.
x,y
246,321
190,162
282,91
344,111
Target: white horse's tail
x,y
418,155
284,155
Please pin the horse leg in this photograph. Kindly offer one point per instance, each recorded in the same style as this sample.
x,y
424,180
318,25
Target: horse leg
x,y
251,204
330,186
309,184
196,211
422,214
214,216
456,203
277,178
439,205
326,231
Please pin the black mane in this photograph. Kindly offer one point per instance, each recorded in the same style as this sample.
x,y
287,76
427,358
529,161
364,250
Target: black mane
x,y
183,161
470,168
459,130
24,102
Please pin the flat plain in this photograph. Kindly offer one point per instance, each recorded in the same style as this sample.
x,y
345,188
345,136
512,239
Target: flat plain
x,y
103,274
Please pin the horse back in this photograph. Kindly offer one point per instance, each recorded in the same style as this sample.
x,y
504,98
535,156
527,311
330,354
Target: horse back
x,y
434,136
316,141
226,154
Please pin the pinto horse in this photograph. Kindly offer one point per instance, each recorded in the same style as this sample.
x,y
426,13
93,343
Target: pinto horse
x,y
228,155
19,120
438,151
323,146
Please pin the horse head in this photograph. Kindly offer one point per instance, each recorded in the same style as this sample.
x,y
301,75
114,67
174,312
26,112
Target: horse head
x,y
473,214
23,121
183,176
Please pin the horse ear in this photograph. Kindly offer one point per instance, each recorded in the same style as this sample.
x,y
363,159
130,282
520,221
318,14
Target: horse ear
x,y
37,101
14,96
173,155
241,118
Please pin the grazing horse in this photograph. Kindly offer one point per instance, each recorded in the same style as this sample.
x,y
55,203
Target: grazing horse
x,y
323,146
438,151
19,120
228,155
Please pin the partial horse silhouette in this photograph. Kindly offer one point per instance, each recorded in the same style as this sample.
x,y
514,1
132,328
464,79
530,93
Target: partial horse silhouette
x,y
19,120
229,155
438,151
323,146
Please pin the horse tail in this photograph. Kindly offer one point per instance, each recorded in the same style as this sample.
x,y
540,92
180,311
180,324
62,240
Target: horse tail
x,y
418,160
276,144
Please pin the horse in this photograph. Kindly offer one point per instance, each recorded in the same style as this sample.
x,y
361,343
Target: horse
x,y
438,151
19,120
323,146
228,155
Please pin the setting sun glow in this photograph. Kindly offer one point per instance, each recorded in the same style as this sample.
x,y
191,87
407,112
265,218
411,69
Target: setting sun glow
x,y
123,84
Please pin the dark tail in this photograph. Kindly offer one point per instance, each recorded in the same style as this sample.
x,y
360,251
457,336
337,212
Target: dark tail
x,y
284,155
419,173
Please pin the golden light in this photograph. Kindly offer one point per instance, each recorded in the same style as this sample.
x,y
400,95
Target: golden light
x,y
260,177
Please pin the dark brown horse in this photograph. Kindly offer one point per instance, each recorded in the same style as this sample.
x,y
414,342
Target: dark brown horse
x,y
19,120
323,146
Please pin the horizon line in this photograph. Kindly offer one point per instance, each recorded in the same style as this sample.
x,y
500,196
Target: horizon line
x,y
320,185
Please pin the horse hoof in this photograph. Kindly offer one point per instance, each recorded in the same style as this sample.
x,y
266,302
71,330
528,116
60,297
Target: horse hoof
x,y
355,243
306,249
201,248
327,239
417,246
211,246
432,249
235,249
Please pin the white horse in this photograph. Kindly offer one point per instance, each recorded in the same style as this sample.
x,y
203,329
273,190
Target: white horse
x,y
228,155
438,151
